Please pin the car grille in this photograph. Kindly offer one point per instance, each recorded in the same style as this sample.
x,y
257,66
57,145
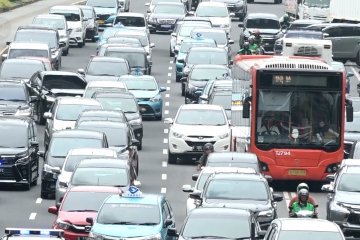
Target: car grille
x,y
103,16
7,174
145,109
195,144
200,137
307,51
166,21
354,218
347,149
77,228
6,112
143,99
7,160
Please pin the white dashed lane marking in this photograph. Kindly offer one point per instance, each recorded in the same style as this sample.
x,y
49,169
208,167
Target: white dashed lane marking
x,y
169,74
163,190
166,140
166,112
32,216
164,164
164,151
167,95
170,68
166,130
38,201
163,176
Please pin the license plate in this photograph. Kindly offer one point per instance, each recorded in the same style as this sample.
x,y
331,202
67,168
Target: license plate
x,y
166,26
197,148
142,109
297,172
101,21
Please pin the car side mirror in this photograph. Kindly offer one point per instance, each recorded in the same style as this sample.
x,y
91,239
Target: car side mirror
x,y
48,115
176,51
4,56
330,178
277,197
147,4
81,71
198,93
232,15
204,97
349,113
181,61
326,35
268,178
231,41
96,37
41,154
349,74
56,170
85,19
162,89
187,188
148,11
195,177
261,234
241,25
152,45
8,43
195,195
53,210
171,232
246,108
34,143
191,13
168,120
33,99
168,222
231,62
173,34
328,188
90,220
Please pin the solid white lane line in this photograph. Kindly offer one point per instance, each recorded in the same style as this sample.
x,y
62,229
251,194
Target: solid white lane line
x,y
167,104
293,194
167,95
166,130
163,176
166,140
168,81
169,74
32,216
164,164
167,88
166,112
170,68
171,62
286,195
38,201
163,190
357,75
165,151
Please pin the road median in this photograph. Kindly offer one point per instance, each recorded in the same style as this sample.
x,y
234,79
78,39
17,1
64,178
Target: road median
x,y
7,5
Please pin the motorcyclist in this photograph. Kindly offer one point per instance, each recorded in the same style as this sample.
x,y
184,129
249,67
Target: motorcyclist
x,y
258,38
253,46
299,187
302,203
207,149
285,21
245,50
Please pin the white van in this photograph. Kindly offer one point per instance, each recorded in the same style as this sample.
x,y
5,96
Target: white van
x,y
308,48
76,22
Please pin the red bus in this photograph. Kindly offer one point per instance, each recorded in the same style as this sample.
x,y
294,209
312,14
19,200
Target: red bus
x,y
297,116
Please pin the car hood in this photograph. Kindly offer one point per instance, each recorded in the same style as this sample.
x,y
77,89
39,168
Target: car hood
x,y
144,94
219,20
125,231
12,105
11,151
255,206
195,130
89,78
73,25
76,218
100,10
61,125
198,84
65,176
351,136
166,16
132,116
347,197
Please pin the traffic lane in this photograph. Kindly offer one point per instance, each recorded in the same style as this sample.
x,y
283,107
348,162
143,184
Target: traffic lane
x,y
353,80
266,6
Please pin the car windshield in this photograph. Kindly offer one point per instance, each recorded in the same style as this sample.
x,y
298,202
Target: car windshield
x,y
117,137
88,13
219,37
185,30
71,112
70,15
129,213
303,234
48,37
60,146
134,59
19,136
16,53
91,90
200,74
143,38
102,3
20,69
310,35
317,3
263,23
74,201
229,226
353,126
349,182
130,21
110,32
100,68
201,117
233,164
245,190
50,22
185,46
222,100
139,84
127,105
169,9
12,93
212,11
100,176
207,57
73,160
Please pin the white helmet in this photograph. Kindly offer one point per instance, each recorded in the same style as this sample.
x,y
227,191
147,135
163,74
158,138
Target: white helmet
x,y
302,186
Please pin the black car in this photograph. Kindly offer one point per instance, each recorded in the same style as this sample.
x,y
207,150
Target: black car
x,y
19,162
60,144
15,99
268,26
45,86
128,104
164,16
199,75
242,190
219,223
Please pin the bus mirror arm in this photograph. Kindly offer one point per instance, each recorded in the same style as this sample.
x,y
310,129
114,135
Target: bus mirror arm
x,y
349,110
246,107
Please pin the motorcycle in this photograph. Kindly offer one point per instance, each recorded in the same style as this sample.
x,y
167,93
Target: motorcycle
x,y
303,213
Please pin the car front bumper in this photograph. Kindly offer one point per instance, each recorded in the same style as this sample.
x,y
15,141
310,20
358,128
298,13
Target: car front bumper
x,y
162,27
194,145
150,109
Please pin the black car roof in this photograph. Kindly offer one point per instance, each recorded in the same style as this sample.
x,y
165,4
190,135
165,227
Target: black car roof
x,y
74,133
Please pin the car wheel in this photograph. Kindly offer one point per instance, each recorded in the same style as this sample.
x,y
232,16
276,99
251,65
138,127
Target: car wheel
x,y
40,114
140,145
177,79
358,59
171,53
65,52
182,90
84,41
27,185
159,118
172,158
80,44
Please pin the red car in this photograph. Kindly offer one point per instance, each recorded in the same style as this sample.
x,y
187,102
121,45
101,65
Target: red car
x,y
79,203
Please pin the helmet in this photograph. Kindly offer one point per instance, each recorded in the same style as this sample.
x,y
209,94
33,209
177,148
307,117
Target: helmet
x,y
251,39
246,45
286,17
303,192
257,33
208,146
302,186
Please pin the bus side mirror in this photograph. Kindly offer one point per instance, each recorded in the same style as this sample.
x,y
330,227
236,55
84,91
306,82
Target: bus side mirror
x,y
349,111
246,108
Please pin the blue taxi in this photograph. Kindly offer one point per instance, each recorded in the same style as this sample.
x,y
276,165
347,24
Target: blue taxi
x,y
147,92
186,44
133,215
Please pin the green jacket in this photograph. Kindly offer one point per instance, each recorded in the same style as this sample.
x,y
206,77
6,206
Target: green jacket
x,y
244,51
254,47
296,207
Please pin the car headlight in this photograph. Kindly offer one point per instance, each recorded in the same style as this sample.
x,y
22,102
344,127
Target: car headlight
x,y
339,207
63,225
23,112
177,135
63,184
152,237
95,236
152,20
77,30
135,122
225,135
157,98
268,213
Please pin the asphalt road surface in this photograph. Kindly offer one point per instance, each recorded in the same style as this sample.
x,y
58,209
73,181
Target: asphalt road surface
x,y
20,208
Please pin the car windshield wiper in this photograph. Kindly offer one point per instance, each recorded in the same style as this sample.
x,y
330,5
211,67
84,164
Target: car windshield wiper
x,y
104,74
148,224
217,237
122,223
353,131
130,112
202,79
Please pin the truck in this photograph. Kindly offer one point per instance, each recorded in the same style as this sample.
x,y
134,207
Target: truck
x,y
344,11
307,9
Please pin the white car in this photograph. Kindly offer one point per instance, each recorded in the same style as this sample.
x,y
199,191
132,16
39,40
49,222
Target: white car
x,y
193,126
218,14
132,20
201,178
152,4
72,159
124,5
104,85
76,23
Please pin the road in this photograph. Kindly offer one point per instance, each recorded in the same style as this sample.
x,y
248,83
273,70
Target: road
x,y
20,208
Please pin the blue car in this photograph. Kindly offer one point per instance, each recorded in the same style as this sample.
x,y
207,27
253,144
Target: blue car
x,y
186,44
147,92
133,215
